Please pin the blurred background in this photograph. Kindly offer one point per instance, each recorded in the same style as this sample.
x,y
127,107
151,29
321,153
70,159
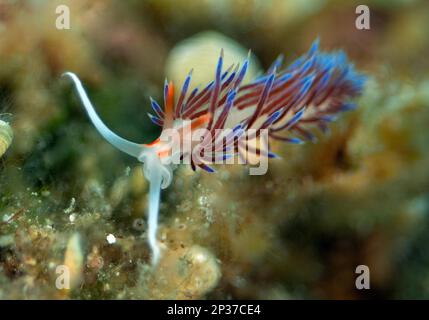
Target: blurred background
x,y
358,197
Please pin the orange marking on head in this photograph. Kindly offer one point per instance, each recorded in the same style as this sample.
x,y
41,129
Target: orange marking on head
x,y
201,120
153,143
169,105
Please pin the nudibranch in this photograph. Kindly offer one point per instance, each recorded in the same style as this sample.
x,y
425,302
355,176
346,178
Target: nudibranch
x,y
286,103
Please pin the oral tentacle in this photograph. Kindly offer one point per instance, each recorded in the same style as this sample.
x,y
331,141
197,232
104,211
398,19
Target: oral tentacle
x,y
131,148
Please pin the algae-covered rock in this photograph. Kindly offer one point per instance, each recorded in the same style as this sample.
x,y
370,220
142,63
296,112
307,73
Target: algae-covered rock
x,y
183,273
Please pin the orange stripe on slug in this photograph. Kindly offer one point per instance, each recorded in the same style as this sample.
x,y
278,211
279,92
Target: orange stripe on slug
x,y
164,153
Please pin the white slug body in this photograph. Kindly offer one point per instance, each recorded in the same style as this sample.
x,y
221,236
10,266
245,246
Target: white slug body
x,y
158,174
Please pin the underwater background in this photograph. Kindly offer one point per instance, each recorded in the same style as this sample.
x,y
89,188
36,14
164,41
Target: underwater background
x,y
360,196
